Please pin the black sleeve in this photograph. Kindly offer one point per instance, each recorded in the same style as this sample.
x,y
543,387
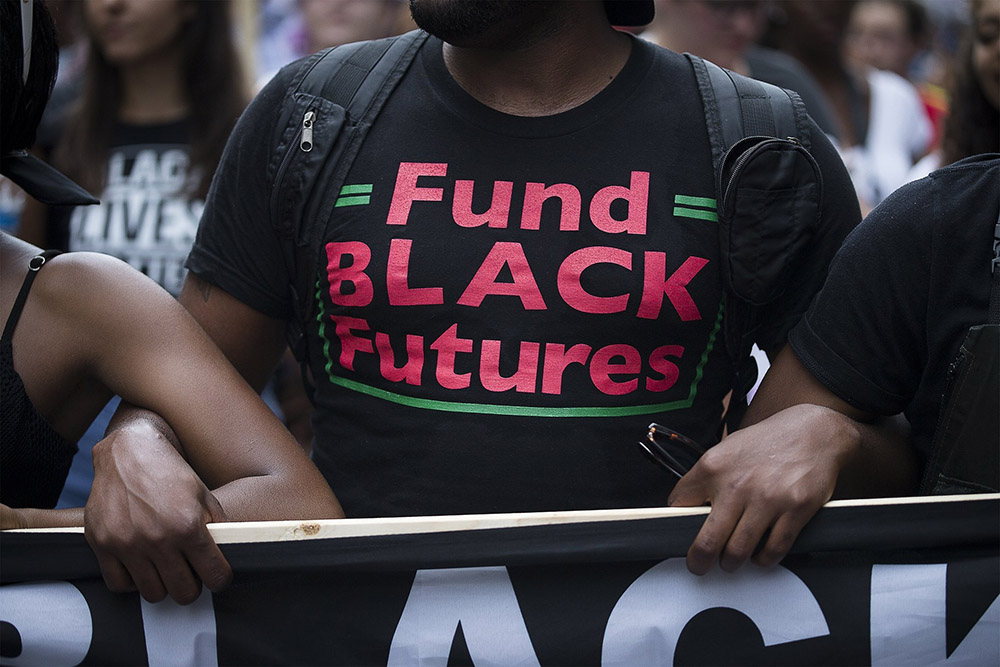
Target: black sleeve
x,y
840,214
863,336
237,247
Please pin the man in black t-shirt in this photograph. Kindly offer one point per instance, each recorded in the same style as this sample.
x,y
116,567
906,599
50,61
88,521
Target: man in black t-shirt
x,y
520,274
908,284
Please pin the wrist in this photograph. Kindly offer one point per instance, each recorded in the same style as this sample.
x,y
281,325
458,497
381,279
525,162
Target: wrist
x,y
845,435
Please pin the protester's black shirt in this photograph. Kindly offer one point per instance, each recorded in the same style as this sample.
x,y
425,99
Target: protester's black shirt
x,y
907,285
506,302
146,216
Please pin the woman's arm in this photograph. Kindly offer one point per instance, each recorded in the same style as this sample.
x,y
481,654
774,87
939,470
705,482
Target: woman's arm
x,y
140,343
147,510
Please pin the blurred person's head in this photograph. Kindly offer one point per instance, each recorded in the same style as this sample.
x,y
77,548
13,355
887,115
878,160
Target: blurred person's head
x,y
23,101
986,48
195,37
129,32
811,30
887,34
334,22
717,30
972,126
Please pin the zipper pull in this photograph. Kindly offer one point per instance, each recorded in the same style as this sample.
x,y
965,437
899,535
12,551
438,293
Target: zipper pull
x,y
306,143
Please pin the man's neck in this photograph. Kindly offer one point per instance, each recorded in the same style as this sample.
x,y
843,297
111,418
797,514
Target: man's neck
x,y
542,76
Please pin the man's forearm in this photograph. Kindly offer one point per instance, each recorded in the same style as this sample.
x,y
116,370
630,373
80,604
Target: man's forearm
x,y
884,463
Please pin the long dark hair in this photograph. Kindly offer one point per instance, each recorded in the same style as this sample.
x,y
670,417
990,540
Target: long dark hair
x,y
214,84
972,126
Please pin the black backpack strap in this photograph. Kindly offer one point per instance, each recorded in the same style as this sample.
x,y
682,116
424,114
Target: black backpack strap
x,y
737,107
994,312
740,109
328,110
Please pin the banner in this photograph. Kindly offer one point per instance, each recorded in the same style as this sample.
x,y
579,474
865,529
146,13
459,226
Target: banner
x,y
902,582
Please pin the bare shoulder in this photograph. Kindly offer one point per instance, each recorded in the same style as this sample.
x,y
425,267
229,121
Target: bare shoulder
x,y
91,285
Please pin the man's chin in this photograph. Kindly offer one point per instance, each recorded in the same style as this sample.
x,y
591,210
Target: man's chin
x,y
472,24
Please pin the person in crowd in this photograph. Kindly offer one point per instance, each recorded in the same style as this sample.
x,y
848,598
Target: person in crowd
x,y
909,283
726,33
142,118
542,152
313,25
972,126
888,34
899,312
161,90
79,327
896,35
882,126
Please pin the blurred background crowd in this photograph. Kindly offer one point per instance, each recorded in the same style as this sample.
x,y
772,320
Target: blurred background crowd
x,y
882,77
149,90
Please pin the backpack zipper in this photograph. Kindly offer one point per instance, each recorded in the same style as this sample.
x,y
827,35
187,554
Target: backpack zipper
x,y
928,478
306,142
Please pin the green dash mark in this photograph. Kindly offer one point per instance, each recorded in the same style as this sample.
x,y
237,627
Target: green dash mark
x,y
703,202
681,212
355,195
685,201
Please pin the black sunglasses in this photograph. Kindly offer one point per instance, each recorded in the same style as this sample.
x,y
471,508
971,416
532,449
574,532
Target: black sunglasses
x,y
671,450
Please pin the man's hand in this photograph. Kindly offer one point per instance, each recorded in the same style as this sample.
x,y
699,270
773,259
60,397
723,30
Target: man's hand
x,y
765,481
146,518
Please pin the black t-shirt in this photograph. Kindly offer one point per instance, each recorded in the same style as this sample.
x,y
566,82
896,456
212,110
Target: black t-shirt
x,y
146,216
907,285
507,302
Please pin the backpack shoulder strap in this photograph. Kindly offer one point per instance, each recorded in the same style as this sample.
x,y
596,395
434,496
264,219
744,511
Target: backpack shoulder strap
x,y
994,310
327,112
738,109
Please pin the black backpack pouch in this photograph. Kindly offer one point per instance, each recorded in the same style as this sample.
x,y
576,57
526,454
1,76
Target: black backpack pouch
x,y
770,192
304,149
308,144
965,454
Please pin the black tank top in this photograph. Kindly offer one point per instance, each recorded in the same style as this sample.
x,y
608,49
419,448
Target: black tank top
x,y
34,459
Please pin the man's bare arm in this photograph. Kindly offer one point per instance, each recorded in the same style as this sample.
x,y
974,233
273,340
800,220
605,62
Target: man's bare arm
x,y
801,444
